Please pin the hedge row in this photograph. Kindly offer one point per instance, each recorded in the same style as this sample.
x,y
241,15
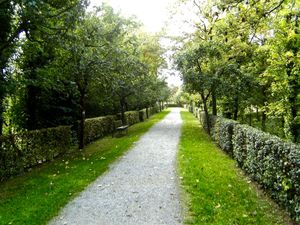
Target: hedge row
x,y
153,110
132,117
27,149
19,152
267,159
98,127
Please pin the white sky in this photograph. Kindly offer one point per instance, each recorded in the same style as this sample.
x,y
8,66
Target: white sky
x,y
153,14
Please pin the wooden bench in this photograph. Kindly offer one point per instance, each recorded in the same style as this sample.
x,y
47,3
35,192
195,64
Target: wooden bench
x,y
119,128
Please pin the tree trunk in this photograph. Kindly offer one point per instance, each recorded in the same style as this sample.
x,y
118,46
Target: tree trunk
x,y
250,118
257,114
82,120
293,88
31,107
1,115
214,104
264,115
236,108
207,122
263,120
122,105
147,112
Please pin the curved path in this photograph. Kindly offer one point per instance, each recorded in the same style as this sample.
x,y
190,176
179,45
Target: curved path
x,y
140,188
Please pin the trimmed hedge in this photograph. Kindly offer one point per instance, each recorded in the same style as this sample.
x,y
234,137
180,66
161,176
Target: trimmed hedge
x,y
153,110
27,149
132,117
267,159
142,115
19,152
98,127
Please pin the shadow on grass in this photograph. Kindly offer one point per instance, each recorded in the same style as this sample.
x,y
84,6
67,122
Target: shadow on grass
x,y
215,190
37,197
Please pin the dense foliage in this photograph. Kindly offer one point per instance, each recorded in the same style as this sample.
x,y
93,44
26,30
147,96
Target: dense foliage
x,y
21,151
243,58
60,63
269,160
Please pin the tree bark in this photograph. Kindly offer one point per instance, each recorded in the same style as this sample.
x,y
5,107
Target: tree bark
x,y
263,114
31,105
263,120
122,107
147,112
82,120
236,108
214,103
204,100
293,88
257,114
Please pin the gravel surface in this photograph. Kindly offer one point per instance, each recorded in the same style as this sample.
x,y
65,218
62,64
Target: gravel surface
x,y
140,188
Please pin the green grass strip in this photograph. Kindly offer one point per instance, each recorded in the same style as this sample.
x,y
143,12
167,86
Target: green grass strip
x,y
215,190
38,196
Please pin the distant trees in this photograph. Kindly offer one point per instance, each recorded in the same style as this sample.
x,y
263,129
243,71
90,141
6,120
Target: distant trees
x,y
60,64
244,57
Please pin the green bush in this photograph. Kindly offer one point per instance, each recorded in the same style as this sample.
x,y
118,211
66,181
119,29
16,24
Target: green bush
x,y
174,105
132,117
267,159
21,151
27,149
153,110
222,131
272,162
142,115
98,127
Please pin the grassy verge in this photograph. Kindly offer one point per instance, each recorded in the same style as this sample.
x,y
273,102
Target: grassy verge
x,y
37,197
215,190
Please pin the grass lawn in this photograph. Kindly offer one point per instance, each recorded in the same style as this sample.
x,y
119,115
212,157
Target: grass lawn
x,y
37,196
215,191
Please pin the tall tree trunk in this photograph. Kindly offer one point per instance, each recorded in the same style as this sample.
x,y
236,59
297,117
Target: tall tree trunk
x,y
257,114
214,103
263,113
263,120
147,112
236,108
82,120
293,87
122,108
31,107
207,121
250,118
1,114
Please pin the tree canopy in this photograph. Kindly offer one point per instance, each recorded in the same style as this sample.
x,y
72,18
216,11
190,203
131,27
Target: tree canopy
x,y
243,57
61,63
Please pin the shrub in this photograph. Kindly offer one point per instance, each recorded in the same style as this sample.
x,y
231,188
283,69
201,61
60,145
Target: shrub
x,y
173,105
132,117
222,131
272,162
142,115
267,159
98,127
153,110
27,149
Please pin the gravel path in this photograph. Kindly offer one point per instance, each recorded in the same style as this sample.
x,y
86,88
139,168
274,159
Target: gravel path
x,y
140,188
